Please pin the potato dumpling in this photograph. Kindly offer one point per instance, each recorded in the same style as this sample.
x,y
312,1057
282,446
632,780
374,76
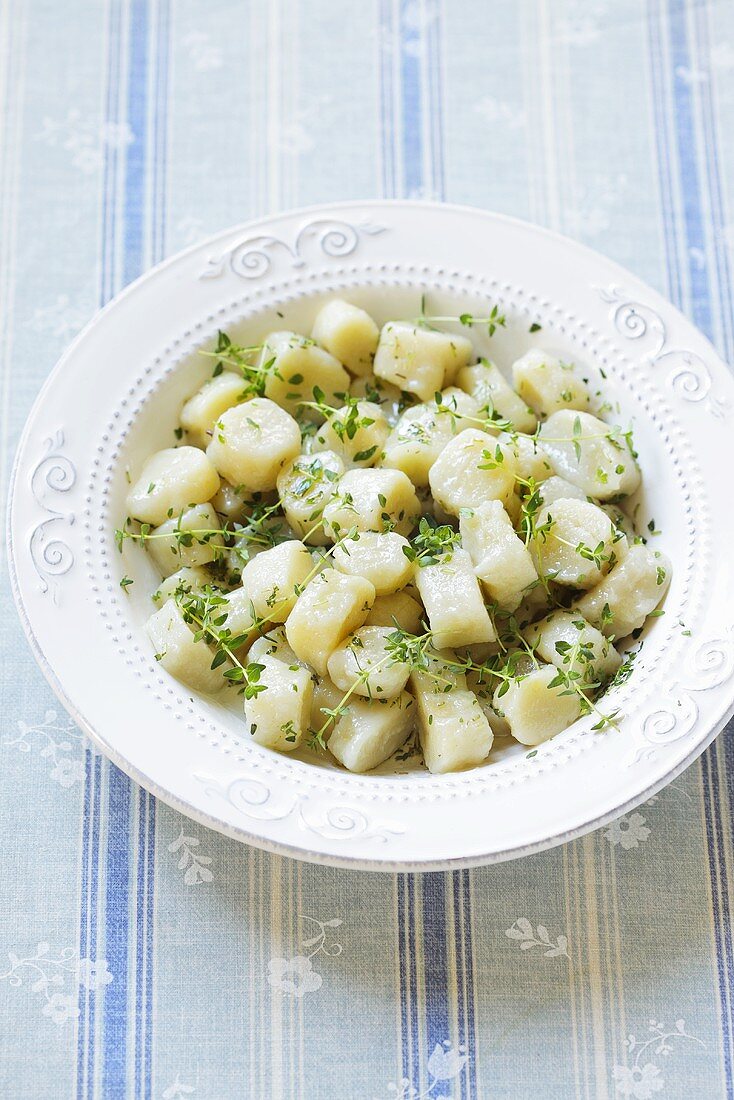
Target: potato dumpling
x,y
621,602
326,696
275,578
372,500
305,485
565,639
356,432
590,454
189,539
453,601
532,462
547,384
253,442
231,502
332,606
239,619
273,643
423,431
348,333
575,543
363,664
535,710
501,560
297,367
179,654
371,731
472,468
420,360
189,579
280,713
491,390
201,412
557,488
170,482
453,729
399,610
378,556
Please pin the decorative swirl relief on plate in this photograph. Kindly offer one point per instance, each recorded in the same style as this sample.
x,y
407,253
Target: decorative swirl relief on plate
x,y
53,475
675,715
253,799
253,257
688,374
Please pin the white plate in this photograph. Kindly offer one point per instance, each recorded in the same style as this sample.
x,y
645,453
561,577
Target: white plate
x,y
114,398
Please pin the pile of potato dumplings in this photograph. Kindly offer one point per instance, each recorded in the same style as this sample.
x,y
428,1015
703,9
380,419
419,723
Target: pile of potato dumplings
x,y
370,534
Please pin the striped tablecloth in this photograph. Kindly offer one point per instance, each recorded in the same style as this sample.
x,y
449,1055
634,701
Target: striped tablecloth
x,y
143,956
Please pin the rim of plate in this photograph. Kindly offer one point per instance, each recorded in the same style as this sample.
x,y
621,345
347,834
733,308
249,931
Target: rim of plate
x,y
713,723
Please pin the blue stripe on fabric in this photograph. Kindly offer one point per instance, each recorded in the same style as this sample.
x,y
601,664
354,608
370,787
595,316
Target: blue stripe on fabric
x,y
148,1051
141,886
117,921
701,307
435,959
411,106
713,176
136,156
688,169
118,854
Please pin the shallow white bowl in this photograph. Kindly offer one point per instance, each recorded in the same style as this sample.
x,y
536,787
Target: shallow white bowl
x,y
114,398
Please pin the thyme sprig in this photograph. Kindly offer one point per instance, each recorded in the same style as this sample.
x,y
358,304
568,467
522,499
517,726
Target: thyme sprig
x,y
255,374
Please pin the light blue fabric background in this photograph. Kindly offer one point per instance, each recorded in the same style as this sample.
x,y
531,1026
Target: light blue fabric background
x,y
142,956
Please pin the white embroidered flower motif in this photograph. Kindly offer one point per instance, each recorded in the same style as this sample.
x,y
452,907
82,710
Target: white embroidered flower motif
x,y
522,931
444,1064
68,772
178,1090
195,866
94,974
204,56
639,1081
85,139
296,975
54,739
628,832
46,973
61,1007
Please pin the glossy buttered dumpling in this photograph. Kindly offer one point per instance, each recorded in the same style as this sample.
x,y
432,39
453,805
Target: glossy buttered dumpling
x,y
279,713
364,663
535,710
372,500
548,384
491,390
380,557
305,487
472,468
424,430
453,729
253,442
621,602
420,360
275,578
590,454
348,333
576,543
170,482
295,367
170,547
331,607
179,653
355,432
565,639
500,558
370,731
453,601
201,412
